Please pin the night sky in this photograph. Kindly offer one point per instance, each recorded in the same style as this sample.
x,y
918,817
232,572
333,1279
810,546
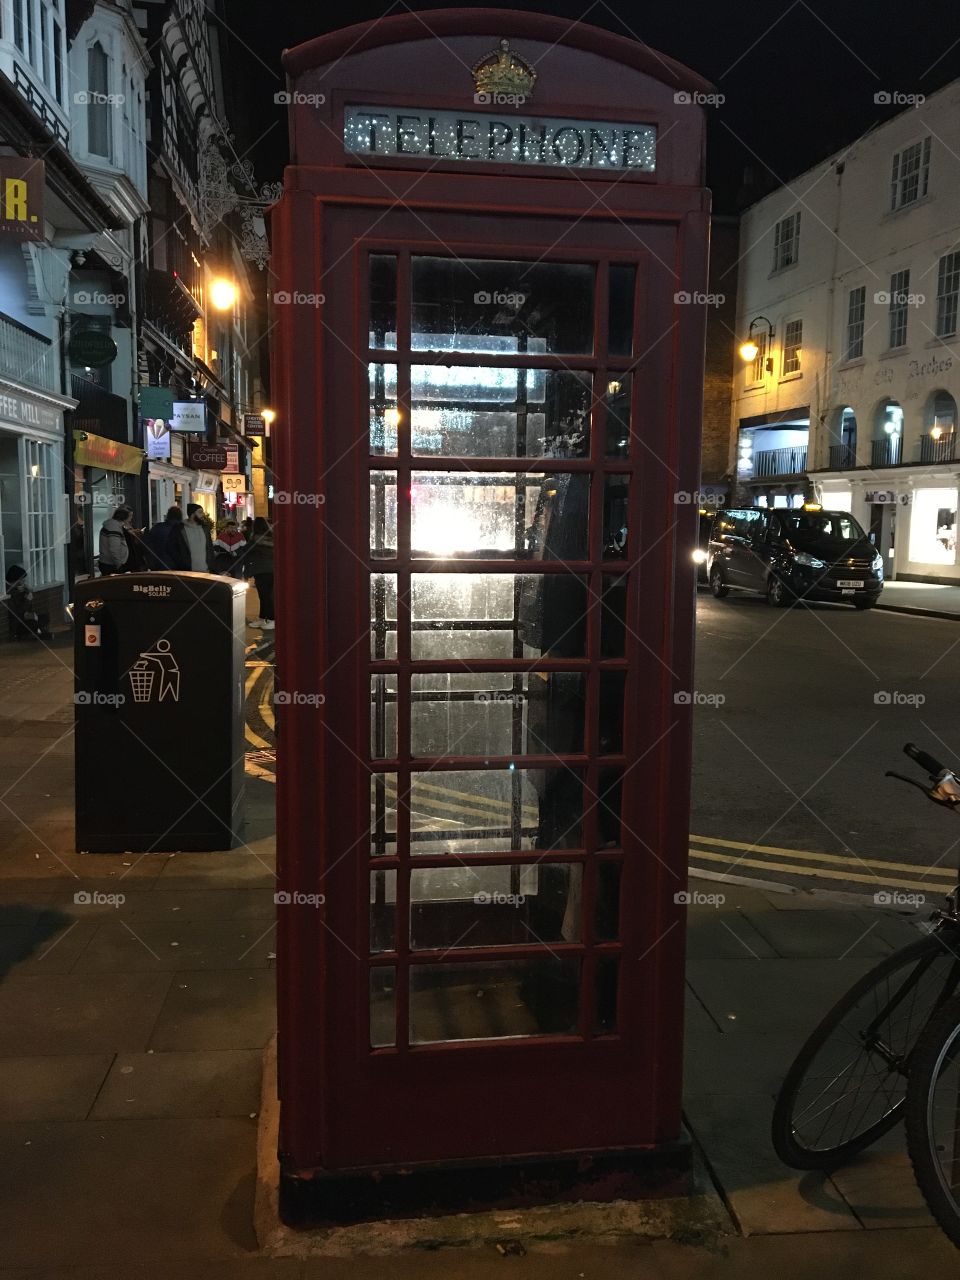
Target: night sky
x,y
799,78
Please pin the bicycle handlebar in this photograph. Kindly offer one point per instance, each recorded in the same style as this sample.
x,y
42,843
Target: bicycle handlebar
x,y
932,766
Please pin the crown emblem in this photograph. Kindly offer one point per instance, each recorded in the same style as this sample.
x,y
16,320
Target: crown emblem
x,y
504,71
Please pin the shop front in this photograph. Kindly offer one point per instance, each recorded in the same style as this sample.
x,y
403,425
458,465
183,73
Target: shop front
x,y
106,475
484,583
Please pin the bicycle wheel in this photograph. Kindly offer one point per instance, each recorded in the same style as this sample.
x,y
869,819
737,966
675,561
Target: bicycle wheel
x,y
848,1084
933,1117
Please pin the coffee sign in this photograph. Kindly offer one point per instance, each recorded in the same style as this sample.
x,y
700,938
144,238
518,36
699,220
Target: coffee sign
x,y
206,457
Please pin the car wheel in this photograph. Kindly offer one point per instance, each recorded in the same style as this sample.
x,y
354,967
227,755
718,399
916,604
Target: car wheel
x,y
718,587
778,593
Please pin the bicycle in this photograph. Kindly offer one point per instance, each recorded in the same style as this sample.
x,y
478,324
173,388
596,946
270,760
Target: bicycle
x,y
849,1083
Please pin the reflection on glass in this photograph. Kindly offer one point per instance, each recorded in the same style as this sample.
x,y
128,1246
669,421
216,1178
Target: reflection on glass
x,y
383,815
613,614
492,999
383,515
384,414
612,684
483,514
538,614
608,801
495,810
605,995
498,906
383,717
539,713
383,1006
469,412
383,615
383,300
623,281
458,304
616,493
606,923
383,911
617,401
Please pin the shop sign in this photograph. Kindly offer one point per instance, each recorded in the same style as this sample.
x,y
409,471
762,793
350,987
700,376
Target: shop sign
x,y
110,455
206,457
156,402
234,484
887,497
469,137
22,181
233,458
156,434
189,415
254,424
91,348
29,413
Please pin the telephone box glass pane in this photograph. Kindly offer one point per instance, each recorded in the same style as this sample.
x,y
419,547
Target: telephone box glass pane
x,y
540,713
617,402
470,412
383,300
623,282
384,414
383,911
494,810
616,495
492,999
495,906
383,515
605,995
383,1006
486,515
383,616
383,815
539,612
612,685
606,924
610,791
613,616
483,304
383,717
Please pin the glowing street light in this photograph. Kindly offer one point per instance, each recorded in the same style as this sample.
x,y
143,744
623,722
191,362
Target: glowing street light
x,y
223,294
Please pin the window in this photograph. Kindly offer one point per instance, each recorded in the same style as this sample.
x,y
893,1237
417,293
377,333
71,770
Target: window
x,y
792,346
18,23
899,292
948,292
786,241
98,108
908,178
758,367
43,468
856,307
933,526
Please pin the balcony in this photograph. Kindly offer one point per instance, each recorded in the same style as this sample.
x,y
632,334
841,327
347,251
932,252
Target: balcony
x,y
98,411
26,356
886,452
789,461
842,457
942,450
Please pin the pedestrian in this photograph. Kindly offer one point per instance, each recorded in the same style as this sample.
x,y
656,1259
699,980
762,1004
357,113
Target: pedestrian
x,y
227,548
258,564
246,528
197,532
24,619
165,545
137,555
114,549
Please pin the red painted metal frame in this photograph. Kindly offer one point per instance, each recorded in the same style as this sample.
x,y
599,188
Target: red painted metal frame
x,y
343,1105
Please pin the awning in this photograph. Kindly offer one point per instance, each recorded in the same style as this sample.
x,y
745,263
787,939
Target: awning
x,y
97,451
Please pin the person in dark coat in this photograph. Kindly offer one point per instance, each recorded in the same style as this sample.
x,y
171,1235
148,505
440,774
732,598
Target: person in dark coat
x,y
114,548
165,544
258,564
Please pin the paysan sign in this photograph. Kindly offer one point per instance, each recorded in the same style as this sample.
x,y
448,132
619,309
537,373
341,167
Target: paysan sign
x,y
189,415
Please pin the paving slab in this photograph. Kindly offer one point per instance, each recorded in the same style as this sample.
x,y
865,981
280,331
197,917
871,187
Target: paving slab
x,y
232,1009
729,935
152,903
765,996
79,1013
99,1191
828,935
120,946
50,1088
745,1060
182,1085
881,1190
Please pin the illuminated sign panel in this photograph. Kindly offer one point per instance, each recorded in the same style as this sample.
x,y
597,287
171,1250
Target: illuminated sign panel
x,y
21,198
522,140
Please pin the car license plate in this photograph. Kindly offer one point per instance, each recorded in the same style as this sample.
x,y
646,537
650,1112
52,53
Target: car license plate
x,y
849,582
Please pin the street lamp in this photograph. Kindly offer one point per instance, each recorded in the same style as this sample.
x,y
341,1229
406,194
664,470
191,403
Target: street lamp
x,y
223,294
750,349
268,416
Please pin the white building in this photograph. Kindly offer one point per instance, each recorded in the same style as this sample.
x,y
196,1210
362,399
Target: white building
x,y
850,287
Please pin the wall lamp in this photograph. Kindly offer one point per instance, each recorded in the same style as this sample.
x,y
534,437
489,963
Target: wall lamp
x,y
750,349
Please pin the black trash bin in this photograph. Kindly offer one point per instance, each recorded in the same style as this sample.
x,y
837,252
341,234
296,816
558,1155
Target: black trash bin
x,y
159,743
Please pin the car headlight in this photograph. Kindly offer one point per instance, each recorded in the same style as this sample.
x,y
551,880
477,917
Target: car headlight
x,y
876,564
803,557
699,556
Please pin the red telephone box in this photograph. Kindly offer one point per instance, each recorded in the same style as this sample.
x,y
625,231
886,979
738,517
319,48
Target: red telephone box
x,y
489,353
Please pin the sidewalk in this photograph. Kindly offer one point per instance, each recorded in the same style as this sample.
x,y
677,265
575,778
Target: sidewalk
x,y
131,1042
928,598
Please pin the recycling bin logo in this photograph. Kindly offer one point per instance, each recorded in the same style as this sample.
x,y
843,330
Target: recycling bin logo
x,y
155,675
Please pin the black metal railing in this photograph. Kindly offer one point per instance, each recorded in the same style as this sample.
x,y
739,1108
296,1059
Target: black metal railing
x,y
886,452
941,449
98,411
789,461
842,456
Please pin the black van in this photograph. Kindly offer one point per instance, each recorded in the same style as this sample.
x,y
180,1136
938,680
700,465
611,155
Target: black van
x,y
784,554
